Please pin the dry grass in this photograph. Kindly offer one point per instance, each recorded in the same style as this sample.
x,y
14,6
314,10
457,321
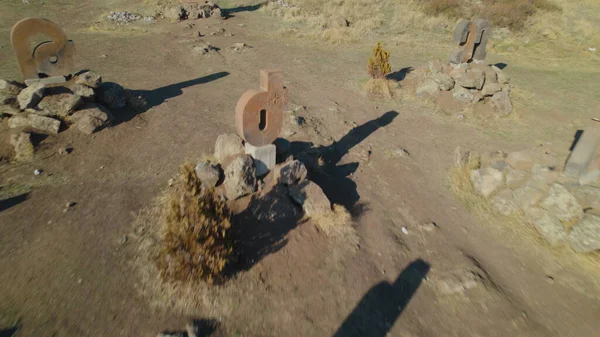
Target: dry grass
x,y
380,88
194,241
338,226
379,63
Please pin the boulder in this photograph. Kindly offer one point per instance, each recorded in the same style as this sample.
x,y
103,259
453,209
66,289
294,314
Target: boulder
x,y
436,66
457,73
515,178
486,180
544,174
428,88
311,197
501,101
549,227
585,235
209,174
227,145
275,207
471,79
174,14
11,88
465,96
455,282
89,79
83,91
444,81
91,118
23,148
502,77
31,96
489,89
111,95
528,195
60,104
562,204
240,177
491,77
291,172
504,203
40,124
9,110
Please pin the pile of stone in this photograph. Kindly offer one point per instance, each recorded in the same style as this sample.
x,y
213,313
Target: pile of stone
x,y
124,18
192,10
84,102
234,175
564,208
466,83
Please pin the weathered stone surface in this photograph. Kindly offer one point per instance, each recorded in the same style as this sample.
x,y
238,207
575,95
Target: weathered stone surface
x,y
457,73
486,180
40,124
504,203
240,177
587,196
31,96
502,77
528,195
490,89
590,178
276,207
435,66
265,157
10,87
60,104
501,101
174,14
428,88
583,153
463,95
562,204
91,118
82,91
444,82
521,160
585,236
209,174
311,197
473,79
9,110
227,145
291,172
544,174
549,227
111,95
515,178
24,150
90,79
491,77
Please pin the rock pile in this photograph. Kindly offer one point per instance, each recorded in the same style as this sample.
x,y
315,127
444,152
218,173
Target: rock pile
x,y
234,177
193,11
124,18
82,102
563,210
465,84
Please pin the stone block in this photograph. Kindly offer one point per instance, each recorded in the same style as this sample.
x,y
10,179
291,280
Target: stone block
x,y
264,157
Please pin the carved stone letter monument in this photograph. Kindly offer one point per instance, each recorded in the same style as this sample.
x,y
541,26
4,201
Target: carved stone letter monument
x,y
259,118
53,58
472,38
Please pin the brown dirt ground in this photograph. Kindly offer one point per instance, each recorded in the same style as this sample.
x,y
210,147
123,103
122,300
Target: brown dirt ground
x,y
73,274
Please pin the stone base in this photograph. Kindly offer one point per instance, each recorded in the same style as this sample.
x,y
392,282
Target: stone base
x,y
264,157
46,80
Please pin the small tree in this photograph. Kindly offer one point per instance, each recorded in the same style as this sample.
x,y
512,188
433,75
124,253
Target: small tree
x,y
379,63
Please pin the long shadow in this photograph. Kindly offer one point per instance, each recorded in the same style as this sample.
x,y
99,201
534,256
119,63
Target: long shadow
x,y
331,177
13,201
250,8
400,75
381,306
9,332
202,328
155,97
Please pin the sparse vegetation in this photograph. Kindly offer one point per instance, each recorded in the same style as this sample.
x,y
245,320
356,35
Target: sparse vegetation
x,y
379,63
194,242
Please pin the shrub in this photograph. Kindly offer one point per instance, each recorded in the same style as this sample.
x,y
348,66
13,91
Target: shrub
x,y
379,63
195,245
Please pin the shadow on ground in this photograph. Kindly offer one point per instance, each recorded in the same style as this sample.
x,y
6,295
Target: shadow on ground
x,y
381,306
400,75
8,332
250,8
141,101
201,328
13,201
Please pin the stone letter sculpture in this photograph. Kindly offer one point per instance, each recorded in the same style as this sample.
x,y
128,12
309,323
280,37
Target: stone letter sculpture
x,y
473,38
52,58
259,118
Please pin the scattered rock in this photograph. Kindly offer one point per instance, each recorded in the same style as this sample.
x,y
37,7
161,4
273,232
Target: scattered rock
x,y
428,88
218,32
291,173
111,95
240,177
562,204
515,178
24,150
504,203
311,197
239,47
203,48
486,180
208,173
501,101
124,18
83,91
549,227
60,104
457,282
31,96
90,79
585,236
91,118
444,81
549,33
227,145
37,123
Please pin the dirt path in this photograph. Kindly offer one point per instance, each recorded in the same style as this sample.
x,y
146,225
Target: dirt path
x,y
69,273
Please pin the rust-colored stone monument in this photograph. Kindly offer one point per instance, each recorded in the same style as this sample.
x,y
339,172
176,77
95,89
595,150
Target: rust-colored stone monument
x,y
53,58
472,37
259,118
